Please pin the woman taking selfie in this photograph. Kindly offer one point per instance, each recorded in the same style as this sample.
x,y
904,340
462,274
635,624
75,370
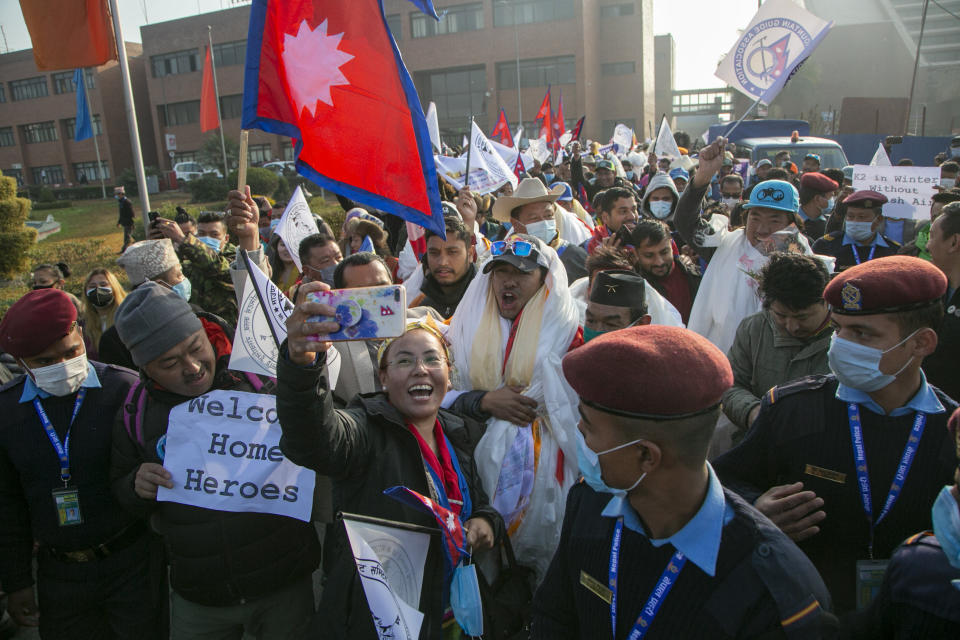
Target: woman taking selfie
x,y
399,436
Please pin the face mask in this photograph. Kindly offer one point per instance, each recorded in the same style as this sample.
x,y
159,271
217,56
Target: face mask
x,y
37,287
213,243
858,366
859,231
829,208
549,177
545,230
183,289
326,274
465,600
630,175
63,378
948,183
660,209
946,526
589,334
100,296
273,225
731,202
589,462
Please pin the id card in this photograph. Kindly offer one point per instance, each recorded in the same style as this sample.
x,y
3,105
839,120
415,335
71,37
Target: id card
x,y
869,578
67,501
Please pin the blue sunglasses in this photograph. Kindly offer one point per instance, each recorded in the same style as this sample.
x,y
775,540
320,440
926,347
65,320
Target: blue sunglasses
x,y
520,248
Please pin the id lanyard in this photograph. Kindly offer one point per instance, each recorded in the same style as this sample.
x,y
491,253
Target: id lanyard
x,y
667,579
863,478
856,253
62,448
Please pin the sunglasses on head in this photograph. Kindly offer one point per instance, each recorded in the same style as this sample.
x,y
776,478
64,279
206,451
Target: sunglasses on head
x,y
520,248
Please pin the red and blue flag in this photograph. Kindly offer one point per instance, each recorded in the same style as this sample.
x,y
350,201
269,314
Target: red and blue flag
x,y
454,536
501,131
329,74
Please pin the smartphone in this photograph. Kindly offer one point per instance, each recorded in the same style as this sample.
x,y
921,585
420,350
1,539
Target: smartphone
x,y
366,313
153,215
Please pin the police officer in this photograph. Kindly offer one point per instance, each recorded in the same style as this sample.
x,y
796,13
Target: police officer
x,y
862,238
849,463
651,542
55,445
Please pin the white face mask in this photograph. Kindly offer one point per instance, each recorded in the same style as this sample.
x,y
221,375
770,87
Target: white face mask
x,y
62,378
948,183
545,230
660,209
731,202
859,231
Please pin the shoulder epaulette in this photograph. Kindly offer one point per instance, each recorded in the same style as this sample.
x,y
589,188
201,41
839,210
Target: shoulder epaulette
x,y
829,237
892,242
17,379
916,538
803,384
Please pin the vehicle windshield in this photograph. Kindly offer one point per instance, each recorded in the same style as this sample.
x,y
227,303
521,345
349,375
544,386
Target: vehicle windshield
x,y
830,157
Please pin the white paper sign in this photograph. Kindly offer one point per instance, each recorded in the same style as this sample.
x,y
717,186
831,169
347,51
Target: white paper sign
x,y
296,224
393,617
909,189
222,450
880,157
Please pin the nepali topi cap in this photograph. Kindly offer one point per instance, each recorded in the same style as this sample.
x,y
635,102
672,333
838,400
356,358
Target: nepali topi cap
x,y
619,288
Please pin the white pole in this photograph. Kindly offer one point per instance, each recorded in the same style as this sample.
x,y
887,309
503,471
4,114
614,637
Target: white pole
x,y
96,145
131,117
216,95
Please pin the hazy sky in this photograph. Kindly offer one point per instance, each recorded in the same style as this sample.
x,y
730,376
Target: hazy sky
x,y
703,29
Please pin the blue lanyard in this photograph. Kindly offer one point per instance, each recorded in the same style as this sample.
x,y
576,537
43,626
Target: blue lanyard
x,y
863,478
62,448
856,253
667,579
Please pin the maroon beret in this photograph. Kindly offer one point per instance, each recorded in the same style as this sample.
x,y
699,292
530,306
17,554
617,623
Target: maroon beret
x,y
865,200
36,321
885,285
816,181
652,371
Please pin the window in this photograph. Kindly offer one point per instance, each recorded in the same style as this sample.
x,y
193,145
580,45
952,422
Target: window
x,y
6,137
70,127
258,153
537,73
463,17
39,132
528,11
458,93
29,88
90,80
178,113
184,156
14,173
171,64
230,53
3,94
288,152
610,125
63,82
231,106
616,10
395,24
88,171
51,174
618,68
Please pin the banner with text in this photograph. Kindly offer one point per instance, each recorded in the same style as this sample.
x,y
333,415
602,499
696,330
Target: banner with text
x,y
909,189
223,452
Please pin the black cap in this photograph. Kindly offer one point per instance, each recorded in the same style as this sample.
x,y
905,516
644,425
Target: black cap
x,y
619,288
526,263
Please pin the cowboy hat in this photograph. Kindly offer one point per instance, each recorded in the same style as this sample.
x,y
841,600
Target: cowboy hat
x,y
530,190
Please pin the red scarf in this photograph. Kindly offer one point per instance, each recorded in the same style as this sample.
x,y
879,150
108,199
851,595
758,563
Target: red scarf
x,y
442,465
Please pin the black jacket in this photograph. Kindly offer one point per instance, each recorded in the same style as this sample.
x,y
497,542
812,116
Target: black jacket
x,y
761,579
832,245
365,449
941,365
217,558
433,295
126,212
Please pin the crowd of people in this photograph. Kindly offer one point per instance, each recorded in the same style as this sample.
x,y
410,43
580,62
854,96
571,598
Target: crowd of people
x,y
665,397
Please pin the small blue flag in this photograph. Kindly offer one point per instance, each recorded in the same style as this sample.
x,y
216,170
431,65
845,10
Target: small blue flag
x,y
83,129
367,245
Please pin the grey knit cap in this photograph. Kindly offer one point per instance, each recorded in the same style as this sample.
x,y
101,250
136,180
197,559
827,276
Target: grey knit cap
x,y
152,320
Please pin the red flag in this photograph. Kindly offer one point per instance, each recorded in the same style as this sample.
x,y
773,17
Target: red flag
x,y
577,128
502,130
518,168
67,34
329,73
546,128
584,199
454,536
559,128
208,97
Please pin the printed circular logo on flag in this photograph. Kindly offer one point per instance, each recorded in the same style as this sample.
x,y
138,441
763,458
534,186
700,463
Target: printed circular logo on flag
x,y
763,52
312,62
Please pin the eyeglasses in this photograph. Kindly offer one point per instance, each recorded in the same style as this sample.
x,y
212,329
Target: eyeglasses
x,y
408,363
520,248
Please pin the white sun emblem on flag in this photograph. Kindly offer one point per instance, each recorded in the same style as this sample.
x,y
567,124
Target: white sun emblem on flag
x,y
312,62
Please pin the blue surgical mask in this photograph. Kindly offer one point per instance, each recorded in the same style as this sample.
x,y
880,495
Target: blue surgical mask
x,y
589,463
630,174
948,183
549,176
213,243
545,230
589,334
465,600
829,208
859,231
660,209
326,274
183,289
946,526
858,366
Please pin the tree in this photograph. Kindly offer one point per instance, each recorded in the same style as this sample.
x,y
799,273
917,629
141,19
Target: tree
x,y
15,238
211,155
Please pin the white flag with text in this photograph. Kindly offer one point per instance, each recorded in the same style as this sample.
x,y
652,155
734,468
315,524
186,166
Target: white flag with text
x,y
296,224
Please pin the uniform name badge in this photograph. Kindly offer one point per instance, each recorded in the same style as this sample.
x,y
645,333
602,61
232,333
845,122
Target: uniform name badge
x,y
869,578
67,501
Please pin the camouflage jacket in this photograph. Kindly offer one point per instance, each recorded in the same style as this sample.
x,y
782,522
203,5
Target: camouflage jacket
x,y
209,275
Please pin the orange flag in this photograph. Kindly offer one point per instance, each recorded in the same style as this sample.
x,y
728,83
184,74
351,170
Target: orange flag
x,y
67,34
208,98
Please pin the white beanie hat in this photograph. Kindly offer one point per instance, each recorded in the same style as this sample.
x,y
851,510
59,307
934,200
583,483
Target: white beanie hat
x,y
148,259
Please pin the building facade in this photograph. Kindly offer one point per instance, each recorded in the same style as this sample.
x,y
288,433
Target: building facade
x,y
37,119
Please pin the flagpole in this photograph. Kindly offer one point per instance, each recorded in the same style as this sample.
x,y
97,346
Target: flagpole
x,y
96,145
131,116
466,175
216,96
256,288
743,117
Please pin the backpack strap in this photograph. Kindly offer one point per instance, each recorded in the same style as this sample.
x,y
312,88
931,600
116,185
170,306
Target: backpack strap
x,y
133,409
256,382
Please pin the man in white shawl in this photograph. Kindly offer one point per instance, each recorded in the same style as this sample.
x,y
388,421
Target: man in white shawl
x,y
512,328
728,292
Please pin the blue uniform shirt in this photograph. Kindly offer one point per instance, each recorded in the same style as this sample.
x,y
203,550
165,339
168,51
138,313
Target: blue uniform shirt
x,y
699,539
31,390
925,400
878,241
